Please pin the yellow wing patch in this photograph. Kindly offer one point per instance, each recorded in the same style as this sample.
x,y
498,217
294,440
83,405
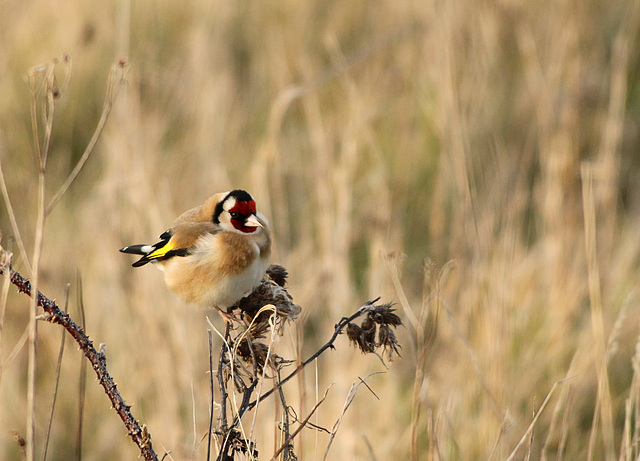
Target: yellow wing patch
x,y
162,251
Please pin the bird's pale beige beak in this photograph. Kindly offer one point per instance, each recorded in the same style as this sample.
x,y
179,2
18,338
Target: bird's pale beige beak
x,y
252,221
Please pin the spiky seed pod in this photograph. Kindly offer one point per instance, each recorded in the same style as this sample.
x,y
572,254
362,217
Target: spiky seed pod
x,y
260,327
266,293
379,320
260,352
387,339
353,333
278,274
384,315
369,333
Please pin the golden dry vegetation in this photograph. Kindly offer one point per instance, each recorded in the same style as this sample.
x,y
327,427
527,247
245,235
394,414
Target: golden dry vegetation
x,y
497,141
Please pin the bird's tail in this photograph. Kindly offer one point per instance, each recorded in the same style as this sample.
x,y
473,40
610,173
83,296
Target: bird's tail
x,y
137,249
161,251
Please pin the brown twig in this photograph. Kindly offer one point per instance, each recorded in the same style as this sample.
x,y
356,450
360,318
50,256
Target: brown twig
x,y
223,428
340,326
212,400
138,433
288,445
303,424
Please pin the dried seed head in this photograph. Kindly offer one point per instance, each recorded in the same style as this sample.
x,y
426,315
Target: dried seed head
x,y
357,335
239,443
378,321
278,274
366,346
387,339
384,315
353,332
269,292
250,350
369,331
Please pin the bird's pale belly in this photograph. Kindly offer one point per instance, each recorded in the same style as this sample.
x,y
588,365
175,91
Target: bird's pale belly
x,y
199,285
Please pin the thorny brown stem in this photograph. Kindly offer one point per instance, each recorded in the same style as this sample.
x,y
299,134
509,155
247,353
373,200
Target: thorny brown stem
x,y
43,88
54,314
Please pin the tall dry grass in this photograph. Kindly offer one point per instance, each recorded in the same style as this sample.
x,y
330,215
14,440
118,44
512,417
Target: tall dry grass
x,y
500,136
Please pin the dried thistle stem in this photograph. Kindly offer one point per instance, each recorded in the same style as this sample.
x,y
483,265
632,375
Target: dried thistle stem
x,y
138,433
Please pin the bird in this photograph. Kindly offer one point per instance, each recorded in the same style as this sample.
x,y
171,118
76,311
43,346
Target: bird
x,y
214,254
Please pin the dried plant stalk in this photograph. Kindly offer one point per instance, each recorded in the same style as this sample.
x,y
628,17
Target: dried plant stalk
x,y
54,314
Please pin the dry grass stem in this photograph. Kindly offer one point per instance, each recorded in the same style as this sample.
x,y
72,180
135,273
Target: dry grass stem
x,y
117,79
4,293
14,224
347,403
604,404
563,402
82,378
37,79
57,379
537,414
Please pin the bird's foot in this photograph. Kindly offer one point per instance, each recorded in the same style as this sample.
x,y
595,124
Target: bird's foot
x,y
228,317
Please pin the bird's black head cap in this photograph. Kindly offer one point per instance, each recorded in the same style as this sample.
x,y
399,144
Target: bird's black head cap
x,y
240,196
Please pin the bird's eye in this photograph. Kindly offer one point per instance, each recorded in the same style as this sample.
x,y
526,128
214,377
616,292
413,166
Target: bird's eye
x,y
234,215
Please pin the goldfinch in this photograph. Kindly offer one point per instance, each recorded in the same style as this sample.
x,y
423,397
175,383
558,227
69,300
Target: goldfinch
x,y
215,253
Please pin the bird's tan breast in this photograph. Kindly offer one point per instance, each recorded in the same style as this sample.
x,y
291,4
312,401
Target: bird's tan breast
x,y
221,269
239,255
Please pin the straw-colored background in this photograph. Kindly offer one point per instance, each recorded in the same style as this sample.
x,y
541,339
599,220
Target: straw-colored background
x,y
486,133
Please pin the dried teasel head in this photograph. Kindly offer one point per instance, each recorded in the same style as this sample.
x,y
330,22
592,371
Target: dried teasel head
x,y
378,322
387,339
369,333
278,274
385,315
363,339
353,332
269,306
270,292
251,350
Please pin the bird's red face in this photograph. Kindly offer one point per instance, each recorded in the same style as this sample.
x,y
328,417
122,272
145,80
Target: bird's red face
x,y
243,216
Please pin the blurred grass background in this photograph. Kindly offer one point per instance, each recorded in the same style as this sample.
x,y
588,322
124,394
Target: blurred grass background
x,y
455,131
